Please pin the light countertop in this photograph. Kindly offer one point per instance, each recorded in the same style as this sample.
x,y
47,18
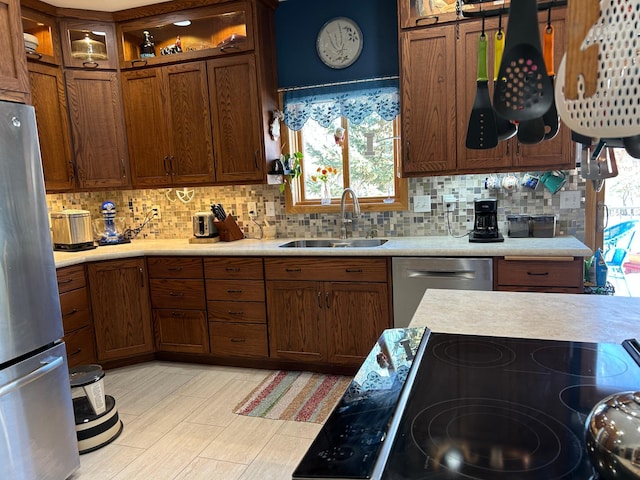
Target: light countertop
x,y
550,316
401,246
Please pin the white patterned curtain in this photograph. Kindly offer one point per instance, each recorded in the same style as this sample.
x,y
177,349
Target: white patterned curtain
x,y
355,101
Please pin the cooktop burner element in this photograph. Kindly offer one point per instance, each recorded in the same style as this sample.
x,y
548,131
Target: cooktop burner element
x,y
504,408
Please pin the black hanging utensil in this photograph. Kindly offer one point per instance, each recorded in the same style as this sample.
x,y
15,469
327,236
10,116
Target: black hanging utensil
x,y
481,131
524,91
531,132
551,118
504,127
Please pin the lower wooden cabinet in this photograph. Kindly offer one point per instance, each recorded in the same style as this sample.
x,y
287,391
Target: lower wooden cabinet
x,y
236,307
76,316
526,274
179,304
121,309
335,322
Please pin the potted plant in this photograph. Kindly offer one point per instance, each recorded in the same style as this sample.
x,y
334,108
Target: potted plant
x,y
292,168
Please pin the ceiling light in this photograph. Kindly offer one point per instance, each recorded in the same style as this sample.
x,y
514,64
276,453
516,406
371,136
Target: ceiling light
x,y
183,23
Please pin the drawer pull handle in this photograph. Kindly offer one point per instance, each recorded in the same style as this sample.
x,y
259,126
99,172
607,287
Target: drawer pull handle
x,y
234,291
231,312
541,274
176,294
232,269
237,340
177,315
65,281
76,352
292,269
90,64
175,269
75,310
354,270
141,61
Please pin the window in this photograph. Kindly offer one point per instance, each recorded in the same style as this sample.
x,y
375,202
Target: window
x,y
366,156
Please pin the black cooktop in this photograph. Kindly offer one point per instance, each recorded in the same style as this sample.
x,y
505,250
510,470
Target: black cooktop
x,y
503,408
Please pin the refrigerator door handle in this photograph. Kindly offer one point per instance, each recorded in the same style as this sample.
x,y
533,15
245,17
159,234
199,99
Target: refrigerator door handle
x,y
47,366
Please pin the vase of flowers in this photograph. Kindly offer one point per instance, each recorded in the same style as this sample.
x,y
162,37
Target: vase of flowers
x,y
323,174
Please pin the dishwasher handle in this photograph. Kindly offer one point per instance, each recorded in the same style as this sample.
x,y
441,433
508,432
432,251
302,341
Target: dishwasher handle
x,y
467,274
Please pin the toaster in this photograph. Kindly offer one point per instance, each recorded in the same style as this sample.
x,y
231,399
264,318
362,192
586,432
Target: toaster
x,y
203,225
71,230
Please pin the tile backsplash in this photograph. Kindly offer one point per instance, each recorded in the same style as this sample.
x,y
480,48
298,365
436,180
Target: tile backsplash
x,y
175,214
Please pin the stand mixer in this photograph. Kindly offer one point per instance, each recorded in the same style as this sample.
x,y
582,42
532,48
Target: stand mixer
x,y
107,230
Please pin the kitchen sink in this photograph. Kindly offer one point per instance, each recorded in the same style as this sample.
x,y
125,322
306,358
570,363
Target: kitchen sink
x,y
336,243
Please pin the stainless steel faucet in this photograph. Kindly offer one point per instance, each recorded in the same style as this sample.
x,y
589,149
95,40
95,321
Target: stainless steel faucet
x,y
343,217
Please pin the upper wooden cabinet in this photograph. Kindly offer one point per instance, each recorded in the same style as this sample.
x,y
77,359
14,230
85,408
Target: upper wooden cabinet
x,y
438,83
237,124
14,78
172,102
97,127
50,103
428,101
511,154
201,32
420,13
88,44
45,28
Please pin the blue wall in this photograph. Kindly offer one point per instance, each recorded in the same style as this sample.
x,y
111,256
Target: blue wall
x,y
298,23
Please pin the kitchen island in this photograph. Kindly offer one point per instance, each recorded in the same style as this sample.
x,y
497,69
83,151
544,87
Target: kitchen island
x,y
550,316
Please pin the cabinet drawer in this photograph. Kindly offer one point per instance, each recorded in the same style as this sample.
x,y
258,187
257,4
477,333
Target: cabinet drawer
x,y
81,349
323,269
75,309
238,312
70,278
238,340
174,267
236,290
233,268
181,331
180,294
540,273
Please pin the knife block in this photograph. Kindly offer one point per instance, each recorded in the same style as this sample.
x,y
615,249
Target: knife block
x,y
228,229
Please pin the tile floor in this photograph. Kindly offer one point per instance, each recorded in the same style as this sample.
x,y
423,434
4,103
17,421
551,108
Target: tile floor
x,y
178,424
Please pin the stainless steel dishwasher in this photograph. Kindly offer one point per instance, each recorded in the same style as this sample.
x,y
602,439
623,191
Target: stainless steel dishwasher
x,y
412,276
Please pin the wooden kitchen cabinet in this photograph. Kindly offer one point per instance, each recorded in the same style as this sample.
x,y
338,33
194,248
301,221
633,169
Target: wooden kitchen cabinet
x,y
525,274
237,124
168,125
76,316
45,28
428,72
101,55
437,102
213,30
325,310
14,78
49,101
509,155
98,129
121,308
179,304
236,307
417,13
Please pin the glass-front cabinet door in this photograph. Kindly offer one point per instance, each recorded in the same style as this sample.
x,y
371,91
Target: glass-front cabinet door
x,y
186,35
41,39
89,45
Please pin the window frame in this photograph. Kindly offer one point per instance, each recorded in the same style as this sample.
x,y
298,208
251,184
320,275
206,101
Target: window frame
x,y
295,203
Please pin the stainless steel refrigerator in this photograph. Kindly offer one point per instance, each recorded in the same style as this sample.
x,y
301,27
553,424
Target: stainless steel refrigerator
x,y
37,427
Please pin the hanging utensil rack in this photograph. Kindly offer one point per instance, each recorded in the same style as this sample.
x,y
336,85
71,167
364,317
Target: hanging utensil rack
x,y
502,10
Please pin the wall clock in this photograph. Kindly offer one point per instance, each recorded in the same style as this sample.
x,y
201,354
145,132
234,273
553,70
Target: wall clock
x,y
339,42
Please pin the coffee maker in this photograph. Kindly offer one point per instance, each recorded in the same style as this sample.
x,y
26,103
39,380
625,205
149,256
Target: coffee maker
x,y
485,224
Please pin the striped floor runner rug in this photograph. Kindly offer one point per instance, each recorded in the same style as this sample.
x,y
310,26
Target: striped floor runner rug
x,y
298,396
